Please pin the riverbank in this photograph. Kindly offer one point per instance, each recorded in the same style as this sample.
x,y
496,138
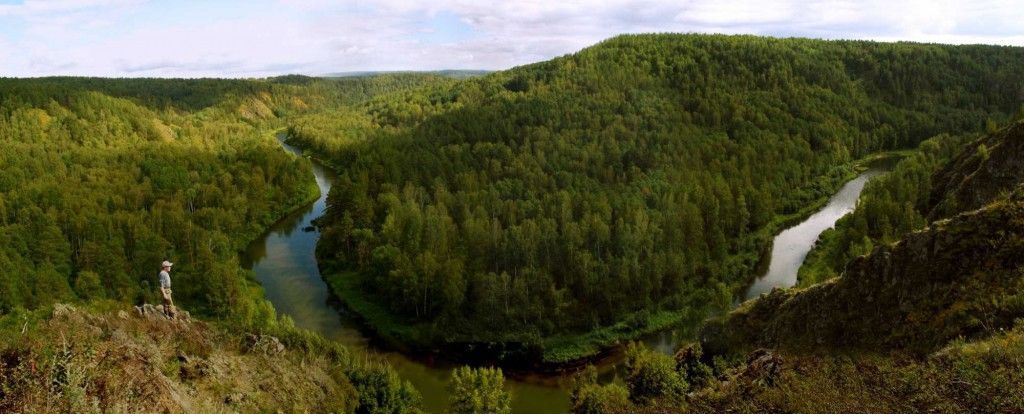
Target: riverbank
x,y
562,353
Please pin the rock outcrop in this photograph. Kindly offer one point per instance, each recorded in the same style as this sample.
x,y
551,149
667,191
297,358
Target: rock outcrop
x,y
264,344
156,312
984,171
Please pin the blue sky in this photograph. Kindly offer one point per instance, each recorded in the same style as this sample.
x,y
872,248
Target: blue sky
x,y
269,37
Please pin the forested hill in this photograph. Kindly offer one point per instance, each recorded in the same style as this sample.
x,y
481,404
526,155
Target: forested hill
x,y
285,95
101,180
622,187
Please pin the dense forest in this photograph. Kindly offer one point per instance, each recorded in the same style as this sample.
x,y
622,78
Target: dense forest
x,y
97,188
623,187
104,178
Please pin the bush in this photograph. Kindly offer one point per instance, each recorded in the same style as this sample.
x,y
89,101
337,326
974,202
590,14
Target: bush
x,y
691,367
652,375
87,285
589,397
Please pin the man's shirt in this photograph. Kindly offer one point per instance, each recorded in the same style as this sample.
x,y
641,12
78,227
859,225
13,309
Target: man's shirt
x,y
165,279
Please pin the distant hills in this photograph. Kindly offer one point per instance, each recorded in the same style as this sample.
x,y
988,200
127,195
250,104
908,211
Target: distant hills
x,y
450,73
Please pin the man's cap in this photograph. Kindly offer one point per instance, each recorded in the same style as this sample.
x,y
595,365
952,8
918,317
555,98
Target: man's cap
x,y
167,264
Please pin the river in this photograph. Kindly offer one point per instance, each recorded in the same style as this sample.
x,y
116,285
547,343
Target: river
x,y
790,247
284,262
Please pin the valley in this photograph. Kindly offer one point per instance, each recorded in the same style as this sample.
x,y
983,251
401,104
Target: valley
x,y
587,223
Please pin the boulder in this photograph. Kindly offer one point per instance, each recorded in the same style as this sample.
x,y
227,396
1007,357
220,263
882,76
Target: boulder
x,y
266,344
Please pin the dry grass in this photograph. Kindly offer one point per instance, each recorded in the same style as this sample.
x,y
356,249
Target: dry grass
x,y
80,362
984,376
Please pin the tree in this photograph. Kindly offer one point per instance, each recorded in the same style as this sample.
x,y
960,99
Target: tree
x,y
381,391
478,391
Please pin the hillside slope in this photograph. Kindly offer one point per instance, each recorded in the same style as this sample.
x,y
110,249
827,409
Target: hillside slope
x,y
990,167
86,361
983,376
933,322
959,277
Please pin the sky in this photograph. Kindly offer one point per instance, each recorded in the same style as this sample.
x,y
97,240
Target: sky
x,y
258,38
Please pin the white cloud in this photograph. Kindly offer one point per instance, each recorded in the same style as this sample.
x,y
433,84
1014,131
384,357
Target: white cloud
x,y
33,8
266,37
736,13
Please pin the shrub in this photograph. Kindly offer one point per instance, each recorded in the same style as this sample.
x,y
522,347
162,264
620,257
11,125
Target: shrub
x,y
652,375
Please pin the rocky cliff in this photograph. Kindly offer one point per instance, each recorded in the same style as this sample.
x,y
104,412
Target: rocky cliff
x,y
985,170
958,277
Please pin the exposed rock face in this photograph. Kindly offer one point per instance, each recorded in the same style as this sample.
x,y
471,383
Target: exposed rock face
x,y
762,368
63,310
985,170
958,277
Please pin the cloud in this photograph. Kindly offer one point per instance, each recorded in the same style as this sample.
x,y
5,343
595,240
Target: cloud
x,y
39,8
737,13
269,37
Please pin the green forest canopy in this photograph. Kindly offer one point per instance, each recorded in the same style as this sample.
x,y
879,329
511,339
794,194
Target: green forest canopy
x,y
639,175
105,178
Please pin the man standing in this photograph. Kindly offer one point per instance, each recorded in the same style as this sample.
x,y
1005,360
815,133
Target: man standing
x,y
165,289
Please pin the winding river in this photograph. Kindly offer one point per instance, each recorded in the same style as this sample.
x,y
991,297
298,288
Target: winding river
x,y
284,262
790,247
